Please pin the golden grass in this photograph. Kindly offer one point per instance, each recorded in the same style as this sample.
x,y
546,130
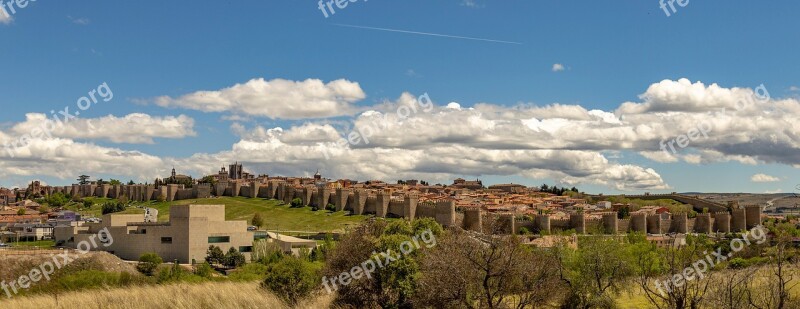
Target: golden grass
x,y
207,295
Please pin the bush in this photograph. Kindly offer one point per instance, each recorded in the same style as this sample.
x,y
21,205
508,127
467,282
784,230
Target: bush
x,y
297,203
330,207
174,273
112,207
249,272
234,259
214,255
148,263
292,279
203,270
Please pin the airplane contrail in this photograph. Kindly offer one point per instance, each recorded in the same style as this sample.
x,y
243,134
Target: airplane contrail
x,y
427,33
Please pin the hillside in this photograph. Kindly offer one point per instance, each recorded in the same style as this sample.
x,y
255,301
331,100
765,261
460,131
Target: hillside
x,y
276,215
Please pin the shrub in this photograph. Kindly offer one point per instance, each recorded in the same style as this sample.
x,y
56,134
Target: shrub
x,y
297,203
214,255
203,270
249,272
292,279
148,263
172,273
330,207
112,207
234,258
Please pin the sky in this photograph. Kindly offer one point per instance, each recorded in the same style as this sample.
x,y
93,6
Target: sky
x,y
608,96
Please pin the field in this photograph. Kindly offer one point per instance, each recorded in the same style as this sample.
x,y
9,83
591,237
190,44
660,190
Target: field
x,y
217,295
276,216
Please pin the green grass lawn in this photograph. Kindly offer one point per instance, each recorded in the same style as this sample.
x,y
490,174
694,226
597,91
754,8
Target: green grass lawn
x,y
38,243
276,216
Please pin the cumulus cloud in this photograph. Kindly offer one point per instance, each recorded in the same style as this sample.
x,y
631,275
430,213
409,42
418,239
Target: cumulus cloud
x,y
557,67
764,178
132,129
408,138
64,158
277,98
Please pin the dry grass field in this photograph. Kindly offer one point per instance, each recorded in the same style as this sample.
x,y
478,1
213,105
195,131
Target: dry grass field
x,y
214,295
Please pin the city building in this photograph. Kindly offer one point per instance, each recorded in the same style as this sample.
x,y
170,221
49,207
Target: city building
x,y
191,229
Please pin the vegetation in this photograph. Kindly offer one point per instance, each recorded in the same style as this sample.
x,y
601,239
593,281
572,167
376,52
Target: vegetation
x,y
112,207
257,221
281,217
148,263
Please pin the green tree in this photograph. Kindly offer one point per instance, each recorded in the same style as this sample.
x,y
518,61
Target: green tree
x,y
114,182
297,203
258,221
214,255
292,279
148,263
595,273
57,199
233,258
21,212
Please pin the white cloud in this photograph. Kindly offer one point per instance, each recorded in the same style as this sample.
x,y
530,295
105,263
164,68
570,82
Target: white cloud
x,y
5,18
557,67
564,142
133,128
764,178
79,21
794,88
277,98
471,4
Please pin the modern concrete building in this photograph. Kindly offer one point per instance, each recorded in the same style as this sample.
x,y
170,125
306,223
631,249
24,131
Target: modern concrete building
x,y
191,229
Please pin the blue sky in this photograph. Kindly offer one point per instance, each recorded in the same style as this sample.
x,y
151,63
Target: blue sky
x,y
612,51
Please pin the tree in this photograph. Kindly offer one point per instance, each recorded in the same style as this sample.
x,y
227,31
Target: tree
x,y
485,271
112,207
233,258
114,182
87,204
148,263
130,183
623,213
292,279
214,255
664,264
297,203
83,179
594,273
257,220
21,212
57,199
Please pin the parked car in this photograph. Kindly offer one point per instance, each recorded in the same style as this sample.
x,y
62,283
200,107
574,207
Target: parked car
x,y
2,245
252,228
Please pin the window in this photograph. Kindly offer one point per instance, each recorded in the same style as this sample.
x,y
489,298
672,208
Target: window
x,y
246,249
166,240
218,239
